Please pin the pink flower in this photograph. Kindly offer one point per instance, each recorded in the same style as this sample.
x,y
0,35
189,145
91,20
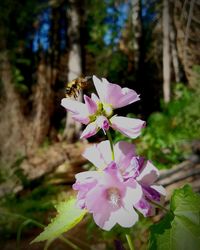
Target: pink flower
x,y
108,197
130,167
145,173
97,112
101,156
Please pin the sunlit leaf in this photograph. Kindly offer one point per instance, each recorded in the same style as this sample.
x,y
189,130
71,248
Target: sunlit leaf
x,y
68,216
180,229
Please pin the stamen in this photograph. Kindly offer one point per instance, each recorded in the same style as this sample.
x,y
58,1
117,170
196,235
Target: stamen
x,y
113,196
107,109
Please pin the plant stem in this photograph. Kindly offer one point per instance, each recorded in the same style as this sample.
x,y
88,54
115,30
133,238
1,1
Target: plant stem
x,y
111,144
68,242
159,206
28,221
130,242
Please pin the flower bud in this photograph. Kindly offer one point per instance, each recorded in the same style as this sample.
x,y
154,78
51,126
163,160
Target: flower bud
x,y
102,122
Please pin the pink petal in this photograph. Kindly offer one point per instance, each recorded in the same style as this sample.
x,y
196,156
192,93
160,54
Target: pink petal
x,y
81,118
151,194
155,193
101,219
113,177
113,94
101,88
95,98
99,154
133,194
126,215
83,189
144,207
107,225
148,175
94,198
126,97
128,126
133,169
78,109
162,191
135,198
91,105
119,97
159,189
125,218
85,181
74,106
97,204
90,130
102,122
87,176
124,152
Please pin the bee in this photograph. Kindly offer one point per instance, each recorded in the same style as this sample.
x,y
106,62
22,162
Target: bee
x,y
74,87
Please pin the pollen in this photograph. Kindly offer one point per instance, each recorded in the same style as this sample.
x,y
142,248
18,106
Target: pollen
x,y
113,196
108,109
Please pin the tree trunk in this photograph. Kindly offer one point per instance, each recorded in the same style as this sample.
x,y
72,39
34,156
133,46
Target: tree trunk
x,y
174,52
43,103
186,19
44,93
24,128
166,52
137,29
72,129
12,123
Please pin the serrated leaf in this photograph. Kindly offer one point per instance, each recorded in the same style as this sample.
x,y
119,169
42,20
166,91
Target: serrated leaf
x,y
68,216
186,203
180,229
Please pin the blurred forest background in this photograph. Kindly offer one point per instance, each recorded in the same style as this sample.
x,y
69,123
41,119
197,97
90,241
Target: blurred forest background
x,y
147,45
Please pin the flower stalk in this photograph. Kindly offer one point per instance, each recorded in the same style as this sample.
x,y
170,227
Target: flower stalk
x,y
111,144
130,242
159,206
128,238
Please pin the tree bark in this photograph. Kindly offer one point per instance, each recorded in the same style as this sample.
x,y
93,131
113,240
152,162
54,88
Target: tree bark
x,y
43,104
22,132
166,52
137,29
174,52
59,162
72,129
188,32
12,123
187,172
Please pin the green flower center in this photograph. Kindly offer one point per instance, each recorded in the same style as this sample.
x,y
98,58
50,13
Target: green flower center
x,y
103,109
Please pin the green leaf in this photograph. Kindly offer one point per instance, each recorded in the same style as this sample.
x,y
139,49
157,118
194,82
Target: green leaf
x,y
180,229
68,216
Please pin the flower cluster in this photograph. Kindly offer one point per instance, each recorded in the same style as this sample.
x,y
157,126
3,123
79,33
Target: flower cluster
x,y
97,112
121,184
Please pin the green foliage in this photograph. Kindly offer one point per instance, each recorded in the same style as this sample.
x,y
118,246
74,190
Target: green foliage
x,y
68,216
15,209
103,39
13,170
17,18
46,143
168,134
180,229
21,73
